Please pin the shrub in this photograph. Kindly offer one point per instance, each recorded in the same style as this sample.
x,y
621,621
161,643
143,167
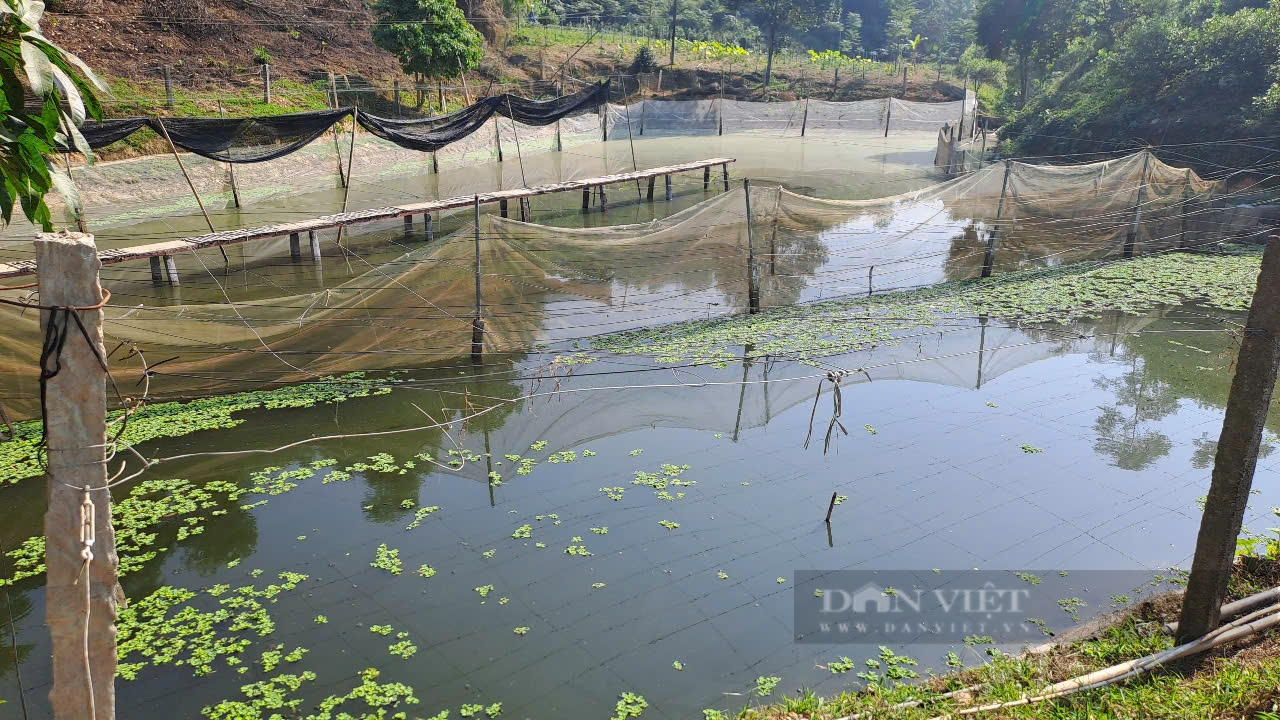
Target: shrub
x,y
644,61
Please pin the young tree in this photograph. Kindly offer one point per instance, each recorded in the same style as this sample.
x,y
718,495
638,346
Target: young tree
x,y
65,86
430,38
981,69
779,19
851,39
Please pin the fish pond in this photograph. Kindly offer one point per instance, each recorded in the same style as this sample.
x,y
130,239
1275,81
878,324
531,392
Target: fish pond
x,y
603,534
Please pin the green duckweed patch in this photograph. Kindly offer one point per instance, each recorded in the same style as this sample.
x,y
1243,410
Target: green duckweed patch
x,y
1062,294
21,457
168,627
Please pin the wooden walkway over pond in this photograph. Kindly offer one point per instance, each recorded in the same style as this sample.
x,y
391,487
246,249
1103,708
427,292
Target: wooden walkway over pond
x,y
167,249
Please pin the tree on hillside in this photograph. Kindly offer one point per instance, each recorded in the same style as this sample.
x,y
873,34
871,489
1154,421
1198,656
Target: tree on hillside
x,y
779,19
902,15
430,38
851,38
975,65
65,86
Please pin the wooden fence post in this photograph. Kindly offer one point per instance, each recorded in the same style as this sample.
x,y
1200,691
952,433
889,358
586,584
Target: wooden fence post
x,y
1237,455
80,601
888,114
266,83
989,258
395,90
804,122
168,87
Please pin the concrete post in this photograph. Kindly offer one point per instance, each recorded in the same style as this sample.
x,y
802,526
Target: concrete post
x,y
80,601
1237,456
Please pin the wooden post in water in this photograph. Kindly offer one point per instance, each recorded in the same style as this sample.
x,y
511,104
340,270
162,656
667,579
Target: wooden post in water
x,y
266,83
314,242
724,171
81,590
157,272
586,200
408,225
295,248
440,95
168,87
1131,239
871,280
235,190
1237,455
804,122
989,258
753,287
649,194
477,322
706,178
666,179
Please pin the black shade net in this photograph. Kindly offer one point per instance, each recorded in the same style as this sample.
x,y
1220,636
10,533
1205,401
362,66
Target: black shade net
x,y
258,139
431,134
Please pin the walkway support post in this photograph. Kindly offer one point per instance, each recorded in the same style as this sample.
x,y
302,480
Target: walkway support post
x,y
1237,455
989,258
295,248
477,322
81,590
314,241
753,284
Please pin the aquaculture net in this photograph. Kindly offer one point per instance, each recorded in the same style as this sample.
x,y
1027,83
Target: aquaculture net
x,y
542,284
258,139
720,116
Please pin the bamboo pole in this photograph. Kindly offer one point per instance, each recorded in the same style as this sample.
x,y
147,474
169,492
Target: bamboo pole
x,y
176,156
753,288
80,601
989,258
1131,239
465,89
333,94
351,156
477,322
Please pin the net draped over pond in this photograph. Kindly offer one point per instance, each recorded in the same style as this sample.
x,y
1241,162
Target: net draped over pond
x,y
544,284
